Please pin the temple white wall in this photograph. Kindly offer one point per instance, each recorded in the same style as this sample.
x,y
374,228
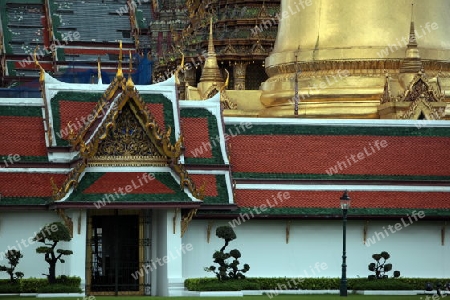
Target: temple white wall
x,y
17,228
315,248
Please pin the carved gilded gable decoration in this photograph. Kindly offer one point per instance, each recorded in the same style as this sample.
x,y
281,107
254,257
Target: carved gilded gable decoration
x,y
127,134
422,97
127,138
210,92
420,107
418,89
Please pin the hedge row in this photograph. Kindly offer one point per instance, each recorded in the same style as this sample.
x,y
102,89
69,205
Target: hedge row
x,y
64,284
212,284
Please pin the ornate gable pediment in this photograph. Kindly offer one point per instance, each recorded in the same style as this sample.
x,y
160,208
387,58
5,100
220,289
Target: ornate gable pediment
x,y
423,96
129,104
125,134
127,142
420,87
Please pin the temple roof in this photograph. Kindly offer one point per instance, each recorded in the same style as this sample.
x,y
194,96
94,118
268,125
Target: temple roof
x,y
28,187
22,133
304,150
112,189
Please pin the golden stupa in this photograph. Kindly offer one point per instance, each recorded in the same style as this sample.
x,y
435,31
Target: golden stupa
x,y
346,54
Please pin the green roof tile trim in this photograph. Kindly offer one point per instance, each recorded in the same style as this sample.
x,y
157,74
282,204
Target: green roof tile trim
x,y
10,65
303,129
24,200
7,35
307,212
56,22
291,176
168,111
68,96
91,177
222,192
25,1
213,132
21,111
23,158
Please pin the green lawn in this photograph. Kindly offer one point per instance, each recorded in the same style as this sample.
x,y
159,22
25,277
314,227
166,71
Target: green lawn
x,y
281,297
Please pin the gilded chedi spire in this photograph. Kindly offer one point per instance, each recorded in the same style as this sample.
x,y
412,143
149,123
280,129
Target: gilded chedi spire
x,y
211,73
345,48
412,62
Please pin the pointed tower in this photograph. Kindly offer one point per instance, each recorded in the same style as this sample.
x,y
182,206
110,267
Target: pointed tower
x,y
346,47
411,94
412,62
211,76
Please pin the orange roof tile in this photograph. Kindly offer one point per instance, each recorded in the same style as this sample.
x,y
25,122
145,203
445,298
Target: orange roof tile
x,y
157,110
22,135
330,199
76,113
28,184
314,154
196,137
112,182
210,182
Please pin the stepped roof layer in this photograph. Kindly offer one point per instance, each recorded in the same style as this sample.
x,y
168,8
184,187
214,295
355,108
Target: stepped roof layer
x,y
120,147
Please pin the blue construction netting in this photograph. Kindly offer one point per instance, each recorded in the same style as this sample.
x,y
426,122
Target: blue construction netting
x,y
141,75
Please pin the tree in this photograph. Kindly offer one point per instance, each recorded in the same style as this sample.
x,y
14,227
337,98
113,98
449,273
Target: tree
x,y
13,257
380,267
227,270
54,233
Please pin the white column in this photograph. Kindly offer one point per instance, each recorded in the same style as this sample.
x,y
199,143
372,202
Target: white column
x,y
175,251
77,261
167,253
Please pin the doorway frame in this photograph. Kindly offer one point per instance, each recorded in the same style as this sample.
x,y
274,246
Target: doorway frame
x,y
112,212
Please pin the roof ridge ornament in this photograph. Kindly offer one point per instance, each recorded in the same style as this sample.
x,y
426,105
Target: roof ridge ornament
x,y
99,71
119,73
41,69
130,83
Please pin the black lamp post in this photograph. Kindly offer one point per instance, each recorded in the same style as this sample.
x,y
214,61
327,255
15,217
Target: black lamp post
x,y
345,205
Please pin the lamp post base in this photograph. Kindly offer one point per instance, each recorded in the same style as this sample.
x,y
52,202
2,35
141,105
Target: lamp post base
x,y
343,288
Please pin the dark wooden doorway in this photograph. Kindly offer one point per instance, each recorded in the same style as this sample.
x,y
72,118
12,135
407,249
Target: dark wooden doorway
x,y
114,247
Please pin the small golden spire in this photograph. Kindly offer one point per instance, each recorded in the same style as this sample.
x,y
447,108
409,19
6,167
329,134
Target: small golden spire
x,y
130,83
119,69
99,71
211,50
211,72
41,70
412,62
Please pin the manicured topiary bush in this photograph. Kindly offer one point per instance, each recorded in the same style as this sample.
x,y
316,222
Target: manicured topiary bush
x,y
50,235
13,257
227,270
380,267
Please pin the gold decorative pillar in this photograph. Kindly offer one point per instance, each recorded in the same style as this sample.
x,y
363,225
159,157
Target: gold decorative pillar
x,y
239,75
189,76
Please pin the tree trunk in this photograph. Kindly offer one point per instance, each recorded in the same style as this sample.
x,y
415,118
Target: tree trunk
x,y
224,246
52,272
